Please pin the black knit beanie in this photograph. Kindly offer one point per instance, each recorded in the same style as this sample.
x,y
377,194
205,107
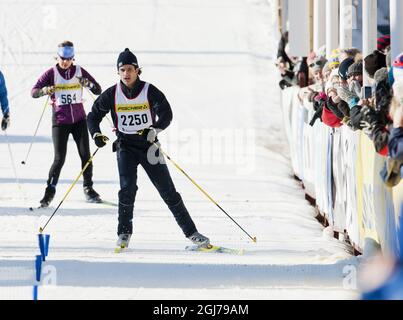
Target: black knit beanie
x,y
127,57
343,67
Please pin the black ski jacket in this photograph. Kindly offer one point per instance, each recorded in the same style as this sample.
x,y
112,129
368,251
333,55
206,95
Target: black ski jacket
x,y
105,103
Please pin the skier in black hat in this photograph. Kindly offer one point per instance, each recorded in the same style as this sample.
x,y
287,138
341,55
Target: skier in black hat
x,y
139,111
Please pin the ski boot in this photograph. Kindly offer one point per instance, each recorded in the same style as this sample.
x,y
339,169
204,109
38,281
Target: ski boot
x,y
123,242
200,240
91,195
48,197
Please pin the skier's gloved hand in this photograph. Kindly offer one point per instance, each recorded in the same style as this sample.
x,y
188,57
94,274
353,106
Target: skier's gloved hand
x,y
85,82
151,135
47,91
5,122
100,139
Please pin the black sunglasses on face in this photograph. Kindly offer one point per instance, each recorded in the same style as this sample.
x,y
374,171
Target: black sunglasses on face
x,y
317,63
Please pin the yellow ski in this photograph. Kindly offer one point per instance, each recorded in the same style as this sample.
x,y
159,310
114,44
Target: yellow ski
x,y
217,249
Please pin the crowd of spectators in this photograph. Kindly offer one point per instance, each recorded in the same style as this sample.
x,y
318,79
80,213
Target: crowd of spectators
x,y
334,85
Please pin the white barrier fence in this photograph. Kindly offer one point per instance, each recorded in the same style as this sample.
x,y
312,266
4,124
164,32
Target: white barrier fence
x,y
340,170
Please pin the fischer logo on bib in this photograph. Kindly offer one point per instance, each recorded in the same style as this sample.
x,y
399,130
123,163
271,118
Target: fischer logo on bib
x,y
133,114
68,92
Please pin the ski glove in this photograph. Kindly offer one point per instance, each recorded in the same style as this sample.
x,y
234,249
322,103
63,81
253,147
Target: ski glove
x,y
5,122
85,82
47,91
151,135
100,139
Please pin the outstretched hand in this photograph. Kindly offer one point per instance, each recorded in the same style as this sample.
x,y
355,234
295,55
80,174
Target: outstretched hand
x,y
100,139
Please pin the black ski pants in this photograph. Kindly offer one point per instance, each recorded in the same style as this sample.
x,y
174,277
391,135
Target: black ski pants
x,y
60,136
129,157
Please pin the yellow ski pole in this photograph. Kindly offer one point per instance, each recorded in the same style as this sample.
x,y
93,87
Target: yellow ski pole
x,y
204,192
41,229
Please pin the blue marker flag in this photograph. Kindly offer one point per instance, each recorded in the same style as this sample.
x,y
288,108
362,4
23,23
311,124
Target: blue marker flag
x,y
47,239
41,245
38,267
35,292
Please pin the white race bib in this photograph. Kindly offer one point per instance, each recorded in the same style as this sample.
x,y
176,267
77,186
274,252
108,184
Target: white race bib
x,y
68,92
133,114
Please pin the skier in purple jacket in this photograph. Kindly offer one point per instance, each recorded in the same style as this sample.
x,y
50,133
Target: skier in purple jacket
x,y
64,84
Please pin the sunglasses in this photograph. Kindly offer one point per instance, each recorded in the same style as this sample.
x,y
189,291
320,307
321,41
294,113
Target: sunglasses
x,y
66,59
317,63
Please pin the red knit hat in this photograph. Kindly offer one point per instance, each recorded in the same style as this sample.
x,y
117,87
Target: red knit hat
x,y
383,42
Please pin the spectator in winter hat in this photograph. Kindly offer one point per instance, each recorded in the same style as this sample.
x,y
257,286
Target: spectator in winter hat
x,y
334,59
342,89
354,72
383,43
355,80
316,67
373,62
318,63
350,89
343,68
355,69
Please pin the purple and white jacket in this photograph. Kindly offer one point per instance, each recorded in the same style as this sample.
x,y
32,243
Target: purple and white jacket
x,y
70,112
